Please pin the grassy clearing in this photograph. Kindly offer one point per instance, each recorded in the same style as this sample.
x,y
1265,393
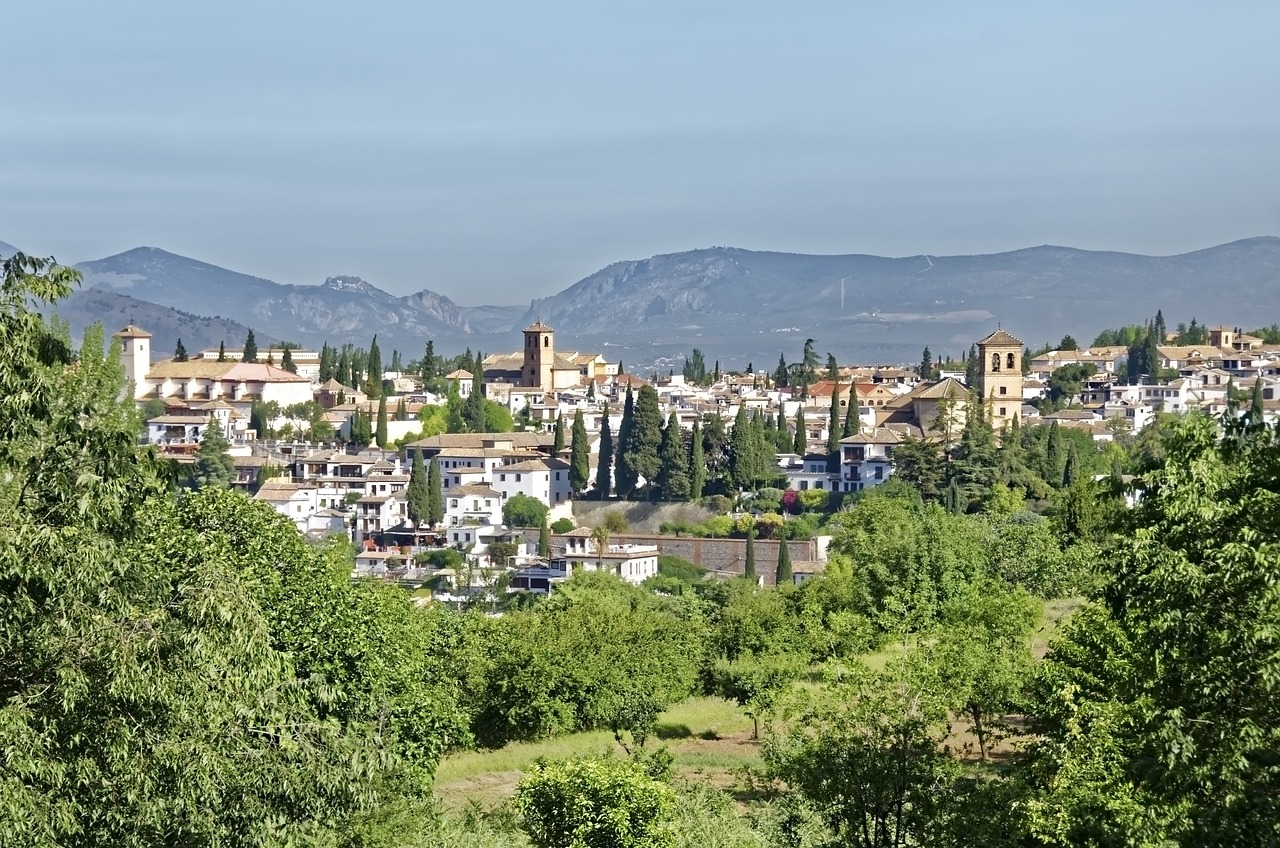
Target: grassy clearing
x,y
710,739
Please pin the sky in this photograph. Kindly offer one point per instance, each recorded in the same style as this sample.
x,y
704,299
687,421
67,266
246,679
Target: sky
x,y
499,151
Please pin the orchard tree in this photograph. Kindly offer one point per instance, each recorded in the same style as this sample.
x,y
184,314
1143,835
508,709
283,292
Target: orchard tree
x,y
610,803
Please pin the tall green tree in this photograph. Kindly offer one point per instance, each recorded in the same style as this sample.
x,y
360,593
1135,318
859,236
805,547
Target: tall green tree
x,y
800,444
435,494
625,475
926,364
851,424
558,442
222,351
382,421
418,495
373,384
604,467
782,576
833,431
250,353
180,352
580,455
544,540
743,461
644,436
697,465
833,368
214,465
286,361
782,375
1256,410
749,568
673,473
973,368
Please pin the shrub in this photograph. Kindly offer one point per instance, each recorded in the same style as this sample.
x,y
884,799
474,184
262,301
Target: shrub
x,y
562,525
523,511
594,804
615,521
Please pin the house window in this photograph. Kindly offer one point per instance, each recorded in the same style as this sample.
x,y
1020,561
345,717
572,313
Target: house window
x,y
1004,390
503,477
517,478
1002,412
879,472
453,502
557,475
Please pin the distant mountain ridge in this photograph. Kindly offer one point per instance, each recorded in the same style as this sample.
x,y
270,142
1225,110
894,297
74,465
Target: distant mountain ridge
x,y
737,304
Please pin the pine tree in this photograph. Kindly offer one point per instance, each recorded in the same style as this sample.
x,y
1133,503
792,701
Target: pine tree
x,y
214,466
558,439
435,494
749,570
604,471
222,351
373,384
579,455
697,466
783,575
673,472
851,422
382,421
286,362
250,348
926,364
624,475
180,352
833,367
800,443
418,495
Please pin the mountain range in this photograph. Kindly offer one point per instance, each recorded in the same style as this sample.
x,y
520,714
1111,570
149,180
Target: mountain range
x,y
734,304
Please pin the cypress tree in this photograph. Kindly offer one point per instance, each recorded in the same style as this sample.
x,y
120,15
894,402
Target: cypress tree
x,y
558,444
742,446
604,472
373,385
764,453
250,348
1053,460
544,539
435,494
286,362
783,575
473,408
782,435
1255,403
326,363
851,423
342,369
402,413
180,352
418,495
644,437
749,570
801,442
780,377
1071,471
833,425
833,368
382,421
579,455
972,368
673,473
697,466
222,351
926,364
624,474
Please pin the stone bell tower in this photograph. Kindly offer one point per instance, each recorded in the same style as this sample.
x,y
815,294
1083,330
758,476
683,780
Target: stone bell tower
x,y
539,356
1000,377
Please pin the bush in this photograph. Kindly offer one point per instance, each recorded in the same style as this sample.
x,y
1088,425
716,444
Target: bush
x,y
813,500
594,804
720,503
615,521
562,525
524,511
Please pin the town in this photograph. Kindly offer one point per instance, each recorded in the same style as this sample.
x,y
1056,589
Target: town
x,y
466,482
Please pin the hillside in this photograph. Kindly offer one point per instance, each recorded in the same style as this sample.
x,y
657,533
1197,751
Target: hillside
x,y
166,325
342,309
745,302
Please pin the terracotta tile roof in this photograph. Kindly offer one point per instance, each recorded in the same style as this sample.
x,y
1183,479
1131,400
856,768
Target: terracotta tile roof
x,y
1001,338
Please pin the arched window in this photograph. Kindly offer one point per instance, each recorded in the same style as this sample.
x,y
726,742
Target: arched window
x,y
1008,362
995,362
546,342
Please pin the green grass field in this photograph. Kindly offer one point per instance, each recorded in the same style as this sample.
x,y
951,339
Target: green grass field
x,y
710,739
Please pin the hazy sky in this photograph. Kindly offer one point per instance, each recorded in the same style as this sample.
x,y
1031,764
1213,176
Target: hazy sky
x,y
498,151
